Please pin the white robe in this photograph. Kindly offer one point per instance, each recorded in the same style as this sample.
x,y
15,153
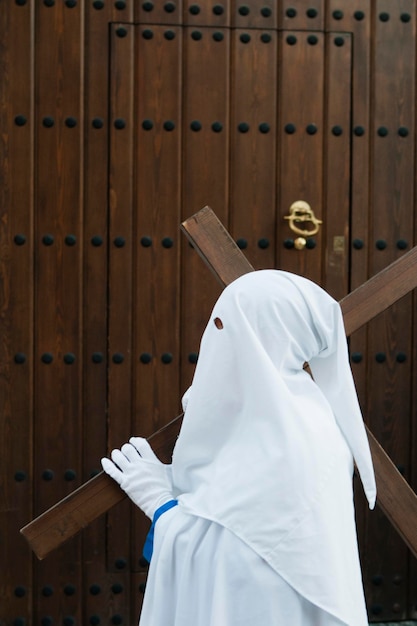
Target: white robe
x,y
264,532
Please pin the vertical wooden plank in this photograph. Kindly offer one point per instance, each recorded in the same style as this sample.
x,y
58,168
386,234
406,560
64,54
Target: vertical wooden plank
x,y
122,38
300,162
156,259
253,144
205,170
336,208
391,231
16,307
58,258
341,17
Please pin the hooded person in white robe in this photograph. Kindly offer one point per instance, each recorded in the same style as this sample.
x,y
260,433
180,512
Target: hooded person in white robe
x,y
264,532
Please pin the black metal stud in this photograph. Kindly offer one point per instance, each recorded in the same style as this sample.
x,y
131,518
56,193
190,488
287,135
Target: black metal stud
x,y
98,4
20,3
47,240
266,37
147,33
359,131
69,476
97,123
266,12
69,590
291,12
48,475
218,36
145,358
218,9
20,591
19,358
70,240
49,3
169,7
147,124
20,476
356,357
377,580
118,358
290,129
97,241
147,6
289,244
337,131
401,357
380,244
69,358
403,131
119,123
310,243
166,358
217,127
291,40
195,126
121,32
339,41
264,128
244,10
68,621
95,620
47,358
382,131
117,588
119,242
380,357
117,619
337,15
120,563
70,3
243,127
47,621
311,129
263,243
359,15
167,242
169,35
402,244
97,357
376,609
146,241
358,244
384,17
312,13
169,125
48,121
19,621
20,120
193,357
245,38
19,239
47,591
194,9
120,5
312,40
405,17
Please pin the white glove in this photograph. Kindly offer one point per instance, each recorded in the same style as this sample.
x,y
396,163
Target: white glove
x,y
140,474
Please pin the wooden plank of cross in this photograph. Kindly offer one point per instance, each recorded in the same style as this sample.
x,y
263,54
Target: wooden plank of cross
x,y
217,248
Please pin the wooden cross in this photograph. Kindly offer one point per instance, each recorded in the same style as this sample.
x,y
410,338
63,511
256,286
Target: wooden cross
x,y
217,248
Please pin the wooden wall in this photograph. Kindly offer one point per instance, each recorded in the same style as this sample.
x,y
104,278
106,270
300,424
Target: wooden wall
x,y
119,119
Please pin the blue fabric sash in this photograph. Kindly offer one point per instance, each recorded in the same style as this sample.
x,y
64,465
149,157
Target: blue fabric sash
x,y
148,547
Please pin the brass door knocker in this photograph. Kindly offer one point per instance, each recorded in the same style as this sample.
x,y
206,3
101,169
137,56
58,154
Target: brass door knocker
x,y
303,222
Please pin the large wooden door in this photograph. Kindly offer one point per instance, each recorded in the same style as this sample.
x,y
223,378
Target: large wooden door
x,y
247,121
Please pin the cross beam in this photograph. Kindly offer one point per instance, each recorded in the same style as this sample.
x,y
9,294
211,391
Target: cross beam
x,y
219,251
